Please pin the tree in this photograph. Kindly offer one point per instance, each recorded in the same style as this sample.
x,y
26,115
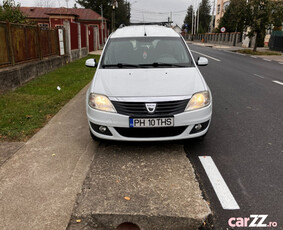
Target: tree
x,y
188,20
277,15
254,15
234,17
11,12
259,15
122,12
204,16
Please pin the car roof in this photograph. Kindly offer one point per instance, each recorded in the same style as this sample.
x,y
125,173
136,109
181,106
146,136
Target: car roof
x,y
141,30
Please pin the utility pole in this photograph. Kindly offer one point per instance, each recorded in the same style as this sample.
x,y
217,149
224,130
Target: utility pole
x,y
198,19
105,34
213,16
102,25
193,21
194,12
114,6
112,17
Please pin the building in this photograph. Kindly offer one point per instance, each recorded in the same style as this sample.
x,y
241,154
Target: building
x,y
220,10
55,17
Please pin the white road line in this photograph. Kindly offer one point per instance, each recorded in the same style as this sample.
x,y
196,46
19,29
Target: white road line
x,y
278,82
231,52
266,59
281,63
258,76
253,56
220,187
215,59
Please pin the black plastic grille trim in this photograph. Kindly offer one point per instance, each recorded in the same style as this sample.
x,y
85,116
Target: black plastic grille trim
x,y
138,109
151,132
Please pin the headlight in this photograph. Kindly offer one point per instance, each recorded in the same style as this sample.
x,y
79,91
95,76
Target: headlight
x,y
199,100
100,102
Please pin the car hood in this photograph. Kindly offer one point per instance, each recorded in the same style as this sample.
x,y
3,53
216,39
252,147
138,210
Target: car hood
x,y
157,82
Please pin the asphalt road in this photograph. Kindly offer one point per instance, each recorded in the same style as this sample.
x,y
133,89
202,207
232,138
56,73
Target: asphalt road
x,y
245,139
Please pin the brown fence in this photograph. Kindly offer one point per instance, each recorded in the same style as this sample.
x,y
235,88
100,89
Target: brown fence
x,y
20,43
83,35
74,36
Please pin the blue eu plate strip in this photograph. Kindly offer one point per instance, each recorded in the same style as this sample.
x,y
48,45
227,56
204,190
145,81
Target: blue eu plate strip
x,y
131,122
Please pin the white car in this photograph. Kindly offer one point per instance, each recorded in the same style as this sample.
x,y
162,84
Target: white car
x,y
147,87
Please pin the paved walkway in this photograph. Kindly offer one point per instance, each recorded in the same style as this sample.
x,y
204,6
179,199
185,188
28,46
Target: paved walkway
x,y
40,182
97,52
8,149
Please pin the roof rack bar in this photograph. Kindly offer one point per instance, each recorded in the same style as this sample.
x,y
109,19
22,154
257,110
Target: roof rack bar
x,y
151,23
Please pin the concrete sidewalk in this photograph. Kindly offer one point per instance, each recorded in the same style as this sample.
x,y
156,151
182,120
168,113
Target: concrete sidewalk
x,y
8,149
40,182
97,52
215,46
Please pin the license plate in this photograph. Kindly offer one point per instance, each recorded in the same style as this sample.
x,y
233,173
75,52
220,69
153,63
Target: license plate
x,y
151,122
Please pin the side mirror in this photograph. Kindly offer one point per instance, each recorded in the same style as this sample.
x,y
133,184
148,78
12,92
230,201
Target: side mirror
x,y
91,63
202,61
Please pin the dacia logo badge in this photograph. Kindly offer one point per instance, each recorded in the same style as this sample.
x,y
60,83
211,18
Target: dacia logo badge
x,y
150,107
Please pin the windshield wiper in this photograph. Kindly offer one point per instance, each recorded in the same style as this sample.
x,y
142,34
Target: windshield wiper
x,y
120,65
155,64
158,64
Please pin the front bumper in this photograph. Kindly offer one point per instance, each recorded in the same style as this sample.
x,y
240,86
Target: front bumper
x,y
184,124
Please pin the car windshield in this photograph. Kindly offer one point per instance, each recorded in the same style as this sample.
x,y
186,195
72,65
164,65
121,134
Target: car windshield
x,y
146,52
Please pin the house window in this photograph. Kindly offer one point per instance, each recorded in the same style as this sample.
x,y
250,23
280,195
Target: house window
x,y
59,26
43,26
218,9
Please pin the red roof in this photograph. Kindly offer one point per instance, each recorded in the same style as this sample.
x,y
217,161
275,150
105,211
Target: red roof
x,y
42,12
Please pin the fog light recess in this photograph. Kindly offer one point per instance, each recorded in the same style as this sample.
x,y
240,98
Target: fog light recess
x,y
199,127
101,129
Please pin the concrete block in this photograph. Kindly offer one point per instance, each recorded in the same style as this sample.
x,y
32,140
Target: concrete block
x,y
75,55
13,76
152,186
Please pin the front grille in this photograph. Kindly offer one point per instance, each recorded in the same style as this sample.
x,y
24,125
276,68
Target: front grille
x,y
151,132
138,109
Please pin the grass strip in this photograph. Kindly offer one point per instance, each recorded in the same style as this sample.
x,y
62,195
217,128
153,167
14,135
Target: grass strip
x,y
264,53
27,109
